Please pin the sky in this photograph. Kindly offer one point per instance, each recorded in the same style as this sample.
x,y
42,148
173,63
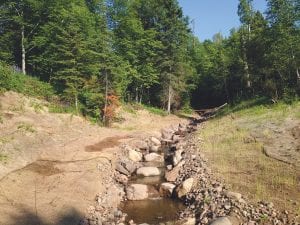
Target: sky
x,y
213,16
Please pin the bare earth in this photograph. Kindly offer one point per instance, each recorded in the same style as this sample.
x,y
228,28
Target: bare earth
x,y
53,165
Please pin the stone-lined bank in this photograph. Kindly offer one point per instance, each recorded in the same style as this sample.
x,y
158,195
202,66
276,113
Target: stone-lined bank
x,y
186,177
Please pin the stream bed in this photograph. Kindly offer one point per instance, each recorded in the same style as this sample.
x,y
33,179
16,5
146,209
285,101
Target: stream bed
x,y
156,209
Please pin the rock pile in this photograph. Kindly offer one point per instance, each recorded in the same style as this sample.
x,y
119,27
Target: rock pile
x,y
189,179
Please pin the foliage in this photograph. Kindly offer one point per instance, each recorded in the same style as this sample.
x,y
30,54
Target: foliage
x,y
14,81
143,51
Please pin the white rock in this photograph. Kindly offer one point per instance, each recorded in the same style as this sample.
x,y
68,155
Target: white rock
x,y
177,157
155,141
154,148
137,192
166,189
135,156
221,221
148,171
153,157
189,221
185,187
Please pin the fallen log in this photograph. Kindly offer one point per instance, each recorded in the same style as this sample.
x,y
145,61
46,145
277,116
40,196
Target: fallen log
x,y
209,112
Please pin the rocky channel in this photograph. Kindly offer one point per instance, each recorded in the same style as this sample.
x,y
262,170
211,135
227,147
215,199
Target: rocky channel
x,y
165,180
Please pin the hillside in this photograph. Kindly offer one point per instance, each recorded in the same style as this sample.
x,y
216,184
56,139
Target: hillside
x,y
53,165
256,150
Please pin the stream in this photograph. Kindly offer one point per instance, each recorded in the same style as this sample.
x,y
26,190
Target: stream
x,y
155,209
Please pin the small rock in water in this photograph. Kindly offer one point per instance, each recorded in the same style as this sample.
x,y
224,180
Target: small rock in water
x,y
148,171
154,157
166,189
137,192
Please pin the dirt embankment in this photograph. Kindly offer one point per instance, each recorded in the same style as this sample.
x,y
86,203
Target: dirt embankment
x,y
53,165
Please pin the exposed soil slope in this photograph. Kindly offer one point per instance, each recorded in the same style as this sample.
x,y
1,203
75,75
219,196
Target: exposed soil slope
x,y
53,165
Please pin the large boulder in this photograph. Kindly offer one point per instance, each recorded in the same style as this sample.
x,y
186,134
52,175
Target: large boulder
x,y
148,171
137,192
135,155
172,175
221,221
166,189
185,187
153,157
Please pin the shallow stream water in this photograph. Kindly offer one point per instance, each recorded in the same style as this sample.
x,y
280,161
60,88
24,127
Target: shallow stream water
x,y
155,210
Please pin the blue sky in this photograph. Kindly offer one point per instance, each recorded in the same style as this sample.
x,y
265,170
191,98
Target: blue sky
x,y
213,16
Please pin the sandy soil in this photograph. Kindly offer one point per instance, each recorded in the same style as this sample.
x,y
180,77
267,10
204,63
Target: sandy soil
x,y
53,165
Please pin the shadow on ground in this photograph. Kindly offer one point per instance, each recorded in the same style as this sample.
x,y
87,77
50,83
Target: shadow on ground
x,y
26,217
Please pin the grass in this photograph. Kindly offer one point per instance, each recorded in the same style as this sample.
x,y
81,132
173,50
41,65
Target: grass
x,y
238,158
26,127
3,158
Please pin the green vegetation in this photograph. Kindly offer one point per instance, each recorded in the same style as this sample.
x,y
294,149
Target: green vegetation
x,y
15,81
3,158
233,143
26,127
94,53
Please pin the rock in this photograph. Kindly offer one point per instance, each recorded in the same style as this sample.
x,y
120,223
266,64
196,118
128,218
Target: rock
x,y
154,148
166,189
177,157
185,187
122,170
172,175
188,221
166,133
234,195
153,192
135,156
130,166
121,178
139,144
136,192
148,171
221,221
169,167
155,141
176,138
154,157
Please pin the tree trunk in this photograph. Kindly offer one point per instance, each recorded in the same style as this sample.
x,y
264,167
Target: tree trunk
x,y
23,50
76,104
298,76
106,95
169,98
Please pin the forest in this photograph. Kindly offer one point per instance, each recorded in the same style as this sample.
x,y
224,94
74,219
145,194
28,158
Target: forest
x,y
96,53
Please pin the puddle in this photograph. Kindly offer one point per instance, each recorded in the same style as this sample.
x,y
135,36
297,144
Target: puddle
x,y
152,211
108,142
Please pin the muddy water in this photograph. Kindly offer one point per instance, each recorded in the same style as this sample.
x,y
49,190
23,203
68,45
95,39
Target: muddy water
x,y
152,211
156,209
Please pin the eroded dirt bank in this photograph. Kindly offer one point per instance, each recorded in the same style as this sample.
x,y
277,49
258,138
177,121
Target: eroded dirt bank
x,y
53,165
